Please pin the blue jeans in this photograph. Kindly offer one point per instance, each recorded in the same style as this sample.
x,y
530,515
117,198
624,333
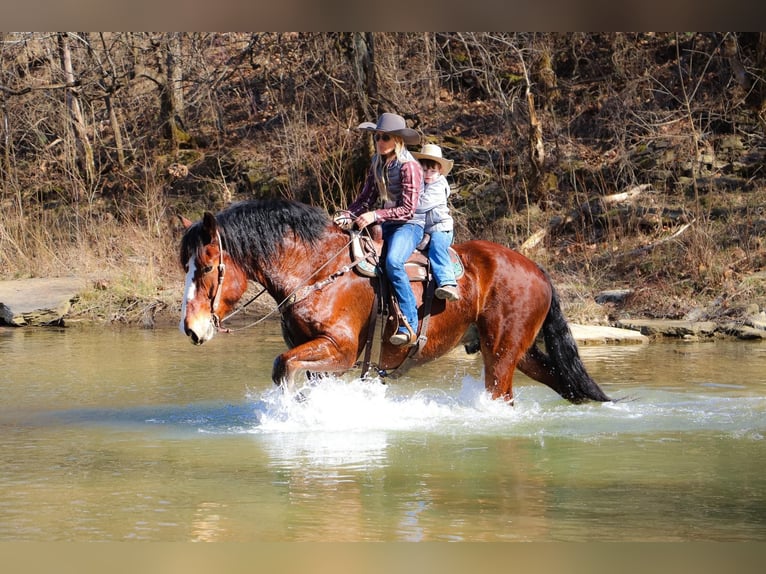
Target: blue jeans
x,y
399,241
441,266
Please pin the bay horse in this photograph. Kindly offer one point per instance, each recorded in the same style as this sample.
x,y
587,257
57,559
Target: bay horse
x,y
302,260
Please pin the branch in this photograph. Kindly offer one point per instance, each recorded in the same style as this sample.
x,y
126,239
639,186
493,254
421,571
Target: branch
x,y
28,89
143,71
646,248
15,92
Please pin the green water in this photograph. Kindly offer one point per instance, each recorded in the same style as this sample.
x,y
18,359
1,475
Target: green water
x,y
137,435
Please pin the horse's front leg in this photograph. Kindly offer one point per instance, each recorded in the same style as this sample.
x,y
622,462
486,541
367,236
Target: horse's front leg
x,y
322,354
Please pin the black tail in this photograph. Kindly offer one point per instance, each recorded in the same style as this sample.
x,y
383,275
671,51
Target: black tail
x,y
575,384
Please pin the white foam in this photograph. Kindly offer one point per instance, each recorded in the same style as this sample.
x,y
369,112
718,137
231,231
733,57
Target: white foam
x,y
335,405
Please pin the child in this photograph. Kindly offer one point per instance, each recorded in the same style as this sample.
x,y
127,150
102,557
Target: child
x,y
439,223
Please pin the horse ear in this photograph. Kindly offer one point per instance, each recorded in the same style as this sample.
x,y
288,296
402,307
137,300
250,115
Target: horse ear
x,y
187,223
209,224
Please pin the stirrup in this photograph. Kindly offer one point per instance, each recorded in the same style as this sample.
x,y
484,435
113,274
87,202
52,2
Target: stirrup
x,y
400,339
408,338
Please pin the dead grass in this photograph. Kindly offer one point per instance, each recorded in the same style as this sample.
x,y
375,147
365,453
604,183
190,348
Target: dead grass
x,y
713,269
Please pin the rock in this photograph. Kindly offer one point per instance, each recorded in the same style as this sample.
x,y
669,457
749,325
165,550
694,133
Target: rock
x,y
39,301
613,296
590,334
752,309
695,314
742,331
757,321
670,327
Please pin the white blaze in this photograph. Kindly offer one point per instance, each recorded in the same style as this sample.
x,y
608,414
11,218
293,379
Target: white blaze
x,y
189,291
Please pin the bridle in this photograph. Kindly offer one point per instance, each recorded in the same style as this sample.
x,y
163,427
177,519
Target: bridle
x,y
300,293
217,320
219,285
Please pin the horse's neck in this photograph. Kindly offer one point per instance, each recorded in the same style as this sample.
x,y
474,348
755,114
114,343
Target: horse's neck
x,y
277,283
299,265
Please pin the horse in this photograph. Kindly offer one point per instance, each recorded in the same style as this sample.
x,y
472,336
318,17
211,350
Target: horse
x,y
302,259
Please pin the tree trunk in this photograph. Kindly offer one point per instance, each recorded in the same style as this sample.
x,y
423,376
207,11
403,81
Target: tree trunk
x,y
83,147
168,77
536,148
536,152
761,62
171,95
730,50
360,52
119,146
5,172
111,85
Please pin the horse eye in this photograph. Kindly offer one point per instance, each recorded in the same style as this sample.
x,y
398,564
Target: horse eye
x,y
207,269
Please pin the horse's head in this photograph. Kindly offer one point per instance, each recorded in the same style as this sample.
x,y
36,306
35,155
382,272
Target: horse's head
x,y
214,282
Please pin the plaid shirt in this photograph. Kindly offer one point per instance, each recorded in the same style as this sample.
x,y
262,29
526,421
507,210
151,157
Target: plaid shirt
x,y
405,186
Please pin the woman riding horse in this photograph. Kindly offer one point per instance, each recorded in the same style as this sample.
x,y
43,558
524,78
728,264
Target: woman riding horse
x,y
302,259
390,195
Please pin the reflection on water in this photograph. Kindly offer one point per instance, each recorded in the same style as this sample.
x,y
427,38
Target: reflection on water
x,y
138,435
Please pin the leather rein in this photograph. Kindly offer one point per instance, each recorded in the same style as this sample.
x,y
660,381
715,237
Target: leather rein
x,y
298,294
304,290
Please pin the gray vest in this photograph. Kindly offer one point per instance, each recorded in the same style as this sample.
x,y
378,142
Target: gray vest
x,y
392,178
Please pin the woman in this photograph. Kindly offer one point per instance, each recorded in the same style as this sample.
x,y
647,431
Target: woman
x,y
390,196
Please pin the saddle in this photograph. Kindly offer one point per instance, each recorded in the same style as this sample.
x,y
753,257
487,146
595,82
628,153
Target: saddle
x,y
368,250
365,252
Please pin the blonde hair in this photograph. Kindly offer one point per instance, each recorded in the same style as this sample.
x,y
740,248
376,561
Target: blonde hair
x,y
378,166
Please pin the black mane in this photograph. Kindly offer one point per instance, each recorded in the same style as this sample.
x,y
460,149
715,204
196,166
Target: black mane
x,y
252,230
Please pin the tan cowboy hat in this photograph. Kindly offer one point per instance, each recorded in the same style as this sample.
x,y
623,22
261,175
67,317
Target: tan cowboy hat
x,y
393,124
434,152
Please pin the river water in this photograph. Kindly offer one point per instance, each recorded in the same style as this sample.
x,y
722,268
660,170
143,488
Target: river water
x,y
135,434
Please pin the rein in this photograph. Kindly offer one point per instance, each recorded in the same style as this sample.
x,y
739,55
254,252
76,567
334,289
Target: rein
x,y
294,297
230,315
217,321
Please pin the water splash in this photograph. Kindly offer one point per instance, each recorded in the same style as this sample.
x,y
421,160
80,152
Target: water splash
x,y
336,405
350,412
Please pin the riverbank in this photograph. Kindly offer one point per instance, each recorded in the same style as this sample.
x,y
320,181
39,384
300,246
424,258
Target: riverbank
x,y
46,302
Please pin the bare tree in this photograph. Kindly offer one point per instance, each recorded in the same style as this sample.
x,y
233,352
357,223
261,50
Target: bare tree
x,y
359,48
83,150
110,80
6,142
167,75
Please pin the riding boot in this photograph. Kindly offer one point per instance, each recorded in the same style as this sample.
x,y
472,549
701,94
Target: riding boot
x,y
404,335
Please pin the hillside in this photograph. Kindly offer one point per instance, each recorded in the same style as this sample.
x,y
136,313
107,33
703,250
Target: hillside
x,y
617,161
